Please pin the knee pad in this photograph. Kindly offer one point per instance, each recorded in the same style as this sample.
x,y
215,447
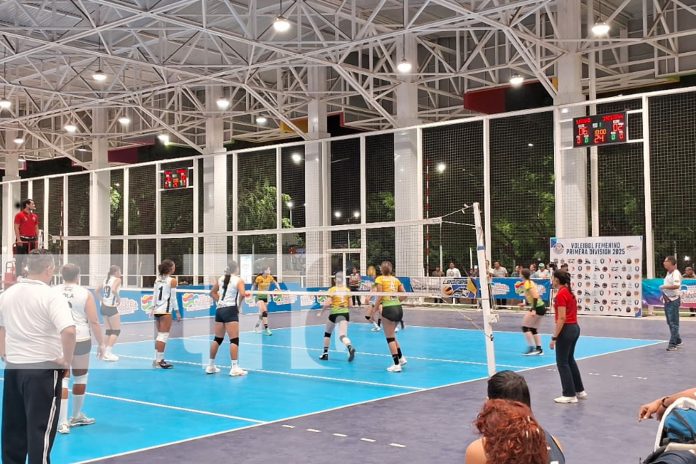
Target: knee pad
x,y
264,314
108,332
162,337
80,379
218,340
533,330
116,332
66,382
327,334
525,329
391,339
234,341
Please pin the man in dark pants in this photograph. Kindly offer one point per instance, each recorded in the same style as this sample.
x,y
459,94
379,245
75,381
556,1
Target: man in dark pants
x,y
26,227
37,341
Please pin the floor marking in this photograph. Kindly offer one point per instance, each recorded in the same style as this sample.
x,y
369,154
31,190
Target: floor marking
x,y
397,445
175,408
314,430
617,376
369,440
288,426
289,374
339,435
382,355
642,378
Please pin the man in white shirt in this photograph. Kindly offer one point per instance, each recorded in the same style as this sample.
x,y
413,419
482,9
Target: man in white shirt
x,y
497,270
542,273
671,298
453,272
37,341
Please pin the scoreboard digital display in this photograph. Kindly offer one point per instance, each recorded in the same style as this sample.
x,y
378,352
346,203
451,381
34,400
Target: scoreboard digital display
x,y
175,178
601,129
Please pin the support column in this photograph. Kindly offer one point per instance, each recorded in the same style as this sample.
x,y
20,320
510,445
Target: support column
x,y
408,185
214,190
99,204
571,181
317,173
10,198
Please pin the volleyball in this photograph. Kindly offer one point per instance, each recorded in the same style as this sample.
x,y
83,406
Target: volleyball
x,y
447,290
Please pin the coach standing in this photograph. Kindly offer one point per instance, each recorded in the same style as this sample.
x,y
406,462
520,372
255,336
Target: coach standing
x,y
671,298
37,341
26,227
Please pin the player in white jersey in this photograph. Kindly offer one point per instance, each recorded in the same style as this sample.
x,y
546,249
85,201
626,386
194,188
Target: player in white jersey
x,y
164,302
84,312
228,291
110,299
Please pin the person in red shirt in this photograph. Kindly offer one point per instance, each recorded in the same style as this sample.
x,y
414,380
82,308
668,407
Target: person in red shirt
x,y
26,227
565,337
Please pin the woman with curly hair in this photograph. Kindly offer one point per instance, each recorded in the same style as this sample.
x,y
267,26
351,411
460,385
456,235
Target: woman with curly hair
x,y
510,435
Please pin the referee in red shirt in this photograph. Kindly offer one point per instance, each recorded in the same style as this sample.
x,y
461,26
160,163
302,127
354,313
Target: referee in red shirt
x,y
26,227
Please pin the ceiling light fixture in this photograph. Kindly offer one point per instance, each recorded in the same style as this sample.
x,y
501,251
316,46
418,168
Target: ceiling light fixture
x,y
281,23
600,28
223,103
19,140
404,67
5,104
164,138
99,76
124,120
71,128
261,120
516,80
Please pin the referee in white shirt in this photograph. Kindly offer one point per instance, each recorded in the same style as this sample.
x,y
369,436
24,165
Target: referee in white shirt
x,y
37,341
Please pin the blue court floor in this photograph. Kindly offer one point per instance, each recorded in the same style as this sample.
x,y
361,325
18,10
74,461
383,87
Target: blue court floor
x,y
138,407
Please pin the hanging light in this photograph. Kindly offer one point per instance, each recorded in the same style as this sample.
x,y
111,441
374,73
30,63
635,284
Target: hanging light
x,y
600,28
164,138
99,75
261,120
404,67
296,158
19,140
281,23
70,128
5,104
223,103
516,80
124,120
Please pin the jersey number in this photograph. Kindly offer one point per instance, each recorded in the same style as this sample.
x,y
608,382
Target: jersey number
x,y
107,291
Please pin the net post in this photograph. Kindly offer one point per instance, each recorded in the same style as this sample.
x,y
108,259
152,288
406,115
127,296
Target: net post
x,y
485,294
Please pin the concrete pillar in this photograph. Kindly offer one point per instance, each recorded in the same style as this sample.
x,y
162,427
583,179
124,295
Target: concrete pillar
x,y
10,197
100,203
408,190
214,190
317,193
571,182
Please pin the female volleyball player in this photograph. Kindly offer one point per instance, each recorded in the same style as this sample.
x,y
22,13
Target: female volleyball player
x,y
392,313
376,324
109,291
228,291
84,312
263,283
532,319
340,314
164,301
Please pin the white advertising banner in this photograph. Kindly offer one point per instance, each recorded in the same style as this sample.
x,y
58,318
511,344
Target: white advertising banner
x,y
606,273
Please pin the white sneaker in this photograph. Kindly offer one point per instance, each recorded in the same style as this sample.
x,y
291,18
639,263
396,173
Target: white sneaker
x,y
581,395
64,428
237,372
81,419
375,327
212,369
396,329
257,328
402,361
394,368
110,357
566,399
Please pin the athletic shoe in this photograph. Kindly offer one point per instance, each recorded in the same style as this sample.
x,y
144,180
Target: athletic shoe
x,y
81,419
581,395
257,327
680,342
267,332
351,354
110,357
530,351
64,428
566,399
672,348
162,365
396,329
402,361
375,327
324,357
394,368
237,372
212,369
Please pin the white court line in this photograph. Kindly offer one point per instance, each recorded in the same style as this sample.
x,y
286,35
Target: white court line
x,y
340,435
397,445
175,408
289,374
328,410
369,440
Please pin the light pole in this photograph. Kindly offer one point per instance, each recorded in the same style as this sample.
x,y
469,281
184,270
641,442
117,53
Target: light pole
x,y
290,205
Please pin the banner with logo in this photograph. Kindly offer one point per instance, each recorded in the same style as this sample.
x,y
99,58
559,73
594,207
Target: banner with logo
x,y
652,293
605,272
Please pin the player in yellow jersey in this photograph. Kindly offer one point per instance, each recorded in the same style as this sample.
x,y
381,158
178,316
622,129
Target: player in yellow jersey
x,y
262,283
340,314
392,312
